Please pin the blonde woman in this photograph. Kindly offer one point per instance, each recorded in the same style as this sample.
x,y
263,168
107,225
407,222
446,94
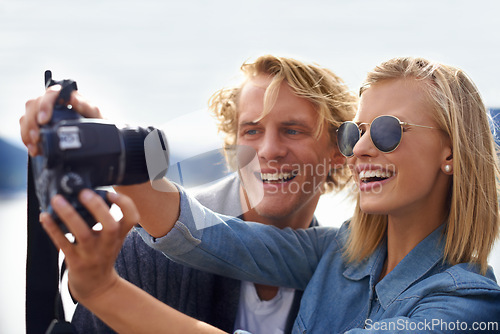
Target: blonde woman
x,y
412,259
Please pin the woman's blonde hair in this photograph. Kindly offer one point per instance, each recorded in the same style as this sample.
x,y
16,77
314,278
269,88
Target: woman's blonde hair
x,y
333,101
473,220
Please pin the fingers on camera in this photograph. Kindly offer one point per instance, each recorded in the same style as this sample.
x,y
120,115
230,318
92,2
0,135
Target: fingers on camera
x,y
83,107
55,233
130,213
72,220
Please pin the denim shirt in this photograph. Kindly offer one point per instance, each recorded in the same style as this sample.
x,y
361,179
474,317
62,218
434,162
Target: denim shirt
x,y
422,294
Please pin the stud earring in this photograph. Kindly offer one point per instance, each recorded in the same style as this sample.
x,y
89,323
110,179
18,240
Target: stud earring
x,y
447,168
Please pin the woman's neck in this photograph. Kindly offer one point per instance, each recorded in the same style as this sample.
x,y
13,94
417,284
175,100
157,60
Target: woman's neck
x,y
405,232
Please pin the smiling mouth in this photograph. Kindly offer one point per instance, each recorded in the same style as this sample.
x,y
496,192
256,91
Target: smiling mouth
x,y
277,177
367,176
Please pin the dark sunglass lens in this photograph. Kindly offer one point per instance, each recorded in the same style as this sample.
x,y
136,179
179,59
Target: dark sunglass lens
x,y
386,132
347,137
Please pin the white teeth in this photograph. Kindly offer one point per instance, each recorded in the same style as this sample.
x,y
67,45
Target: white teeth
x,y
366,174
276,176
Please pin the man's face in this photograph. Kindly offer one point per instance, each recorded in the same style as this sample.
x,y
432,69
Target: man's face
x,y
294,161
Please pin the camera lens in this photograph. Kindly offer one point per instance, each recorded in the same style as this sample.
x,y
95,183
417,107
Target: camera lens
x,y
136,170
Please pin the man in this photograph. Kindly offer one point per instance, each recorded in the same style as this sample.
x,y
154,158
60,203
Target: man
x,y
288,112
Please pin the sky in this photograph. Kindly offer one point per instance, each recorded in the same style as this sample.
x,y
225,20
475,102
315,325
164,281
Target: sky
x,y
148,62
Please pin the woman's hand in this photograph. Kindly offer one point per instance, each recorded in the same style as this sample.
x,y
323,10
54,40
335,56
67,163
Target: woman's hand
x,y
90,260
39,112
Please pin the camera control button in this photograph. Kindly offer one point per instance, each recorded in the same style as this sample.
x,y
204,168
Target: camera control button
x,y
71,183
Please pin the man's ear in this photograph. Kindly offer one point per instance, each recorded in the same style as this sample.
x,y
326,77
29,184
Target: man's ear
x,y
337,160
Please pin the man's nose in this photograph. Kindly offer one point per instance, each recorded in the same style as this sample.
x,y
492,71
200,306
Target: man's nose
x,y
272,146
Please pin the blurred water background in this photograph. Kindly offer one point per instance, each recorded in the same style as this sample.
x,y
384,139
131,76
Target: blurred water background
x,y
148,62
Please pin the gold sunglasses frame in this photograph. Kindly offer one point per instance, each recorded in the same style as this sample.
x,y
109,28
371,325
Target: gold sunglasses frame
x,y
401,124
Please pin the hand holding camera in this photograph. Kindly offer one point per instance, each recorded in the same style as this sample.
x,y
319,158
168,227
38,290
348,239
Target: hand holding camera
x,y
91,259
77,152
39,112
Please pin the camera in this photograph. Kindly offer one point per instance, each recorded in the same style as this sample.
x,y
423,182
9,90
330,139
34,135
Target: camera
x,y
80,153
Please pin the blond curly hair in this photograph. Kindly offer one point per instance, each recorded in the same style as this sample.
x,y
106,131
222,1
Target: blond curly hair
x,y
332,99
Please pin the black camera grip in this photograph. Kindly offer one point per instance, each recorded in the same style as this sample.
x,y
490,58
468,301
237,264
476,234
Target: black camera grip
x,y
83,212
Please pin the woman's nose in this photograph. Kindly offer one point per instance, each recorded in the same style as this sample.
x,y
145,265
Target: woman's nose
x,y
364,146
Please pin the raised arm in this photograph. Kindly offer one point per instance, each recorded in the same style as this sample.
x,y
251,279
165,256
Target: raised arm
x,y
243,250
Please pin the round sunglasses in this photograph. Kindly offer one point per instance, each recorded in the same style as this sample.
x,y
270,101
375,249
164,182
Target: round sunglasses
x,y
385,132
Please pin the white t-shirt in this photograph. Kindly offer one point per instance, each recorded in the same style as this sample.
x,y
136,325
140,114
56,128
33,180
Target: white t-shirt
x,y
259,316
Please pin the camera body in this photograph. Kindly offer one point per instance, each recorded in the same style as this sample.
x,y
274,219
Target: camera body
x,y
80,153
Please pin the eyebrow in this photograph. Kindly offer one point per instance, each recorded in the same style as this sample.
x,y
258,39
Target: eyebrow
x,y
249,123
293,123
286,123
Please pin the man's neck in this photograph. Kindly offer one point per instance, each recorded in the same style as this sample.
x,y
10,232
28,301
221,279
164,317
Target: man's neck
x,y
299,219
266,292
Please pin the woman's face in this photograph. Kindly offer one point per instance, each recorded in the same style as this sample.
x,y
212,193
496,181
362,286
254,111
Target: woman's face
x,y
412,177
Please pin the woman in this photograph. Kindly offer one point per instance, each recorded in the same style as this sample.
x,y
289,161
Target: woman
x,y
412,259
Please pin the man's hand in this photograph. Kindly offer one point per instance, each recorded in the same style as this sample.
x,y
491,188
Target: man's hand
x,y
39,112
159,210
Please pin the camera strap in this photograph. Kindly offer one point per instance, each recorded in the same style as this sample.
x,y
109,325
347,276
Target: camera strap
x,y
44,311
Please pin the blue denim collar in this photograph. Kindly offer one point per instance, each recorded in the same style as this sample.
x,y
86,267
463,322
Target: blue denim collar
x,y
414,265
